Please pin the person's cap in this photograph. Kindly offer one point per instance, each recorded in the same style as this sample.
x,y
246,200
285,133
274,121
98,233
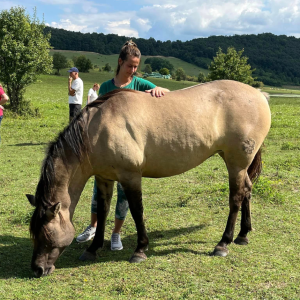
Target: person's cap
x,y
73,70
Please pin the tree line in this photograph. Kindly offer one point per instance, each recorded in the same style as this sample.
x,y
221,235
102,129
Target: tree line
x,y
24,54
275,58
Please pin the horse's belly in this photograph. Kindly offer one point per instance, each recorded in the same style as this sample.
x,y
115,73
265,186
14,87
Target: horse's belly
x,y
173,163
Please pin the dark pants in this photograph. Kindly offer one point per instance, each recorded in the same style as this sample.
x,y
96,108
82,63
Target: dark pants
x,y
74,110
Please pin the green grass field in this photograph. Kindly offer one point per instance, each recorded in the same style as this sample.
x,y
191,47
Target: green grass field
x,y
185,218
100,60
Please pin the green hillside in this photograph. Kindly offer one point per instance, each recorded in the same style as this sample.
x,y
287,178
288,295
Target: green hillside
x,y
101,59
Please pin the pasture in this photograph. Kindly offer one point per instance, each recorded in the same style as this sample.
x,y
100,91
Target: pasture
x,y
185,217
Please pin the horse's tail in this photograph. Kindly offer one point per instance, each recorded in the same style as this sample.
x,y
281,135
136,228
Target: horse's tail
x,y
255,168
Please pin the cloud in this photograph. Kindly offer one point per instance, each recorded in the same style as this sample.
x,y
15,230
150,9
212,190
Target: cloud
x,y
183,20
67,25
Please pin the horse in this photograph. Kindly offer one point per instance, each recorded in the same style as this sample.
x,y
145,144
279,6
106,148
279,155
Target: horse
x,y
126,135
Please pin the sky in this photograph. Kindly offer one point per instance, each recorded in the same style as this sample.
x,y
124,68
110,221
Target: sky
x,y
168,19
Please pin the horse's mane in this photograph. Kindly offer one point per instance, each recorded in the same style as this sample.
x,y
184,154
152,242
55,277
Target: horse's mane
x,y
73,137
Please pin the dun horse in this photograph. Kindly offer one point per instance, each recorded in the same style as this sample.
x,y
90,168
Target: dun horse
x,y
127,135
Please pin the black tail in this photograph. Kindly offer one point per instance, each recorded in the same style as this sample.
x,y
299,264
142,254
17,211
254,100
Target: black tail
x,y
255,168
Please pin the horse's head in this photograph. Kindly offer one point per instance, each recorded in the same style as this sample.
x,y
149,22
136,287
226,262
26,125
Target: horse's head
x,y
52,231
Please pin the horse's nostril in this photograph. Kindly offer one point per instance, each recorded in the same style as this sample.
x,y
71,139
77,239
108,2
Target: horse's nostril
x,y
39,272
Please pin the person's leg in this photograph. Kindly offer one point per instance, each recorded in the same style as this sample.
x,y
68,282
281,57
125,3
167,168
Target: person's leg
x,y
121,212
90,231
74,110
1,117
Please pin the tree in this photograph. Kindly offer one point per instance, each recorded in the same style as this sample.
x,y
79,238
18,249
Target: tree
x,y
148,69
201,77
164,71
107,67
59,61
158,63
82,63
231,66
24,54
180,74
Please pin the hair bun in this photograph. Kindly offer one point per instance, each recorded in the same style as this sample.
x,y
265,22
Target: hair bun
x,y
130,43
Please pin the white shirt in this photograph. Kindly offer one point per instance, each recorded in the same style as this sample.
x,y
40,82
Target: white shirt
x,y
76,85
93,95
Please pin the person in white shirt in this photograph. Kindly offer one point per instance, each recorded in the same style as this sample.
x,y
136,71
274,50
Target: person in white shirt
x,y
92,94
75,88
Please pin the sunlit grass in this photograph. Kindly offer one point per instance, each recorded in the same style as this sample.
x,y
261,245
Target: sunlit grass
x,y
185,218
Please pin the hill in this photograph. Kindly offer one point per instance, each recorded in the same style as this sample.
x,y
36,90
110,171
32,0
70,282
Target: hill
x,y
101,59
275,58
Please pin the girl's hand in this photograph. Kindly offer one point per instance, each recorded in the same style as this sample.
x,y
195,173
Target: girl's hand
x,y
2,107
157,91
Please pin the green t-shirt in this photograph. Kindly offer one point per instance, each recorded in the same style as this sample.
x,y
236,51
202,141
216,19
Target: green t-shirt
x,y
137,83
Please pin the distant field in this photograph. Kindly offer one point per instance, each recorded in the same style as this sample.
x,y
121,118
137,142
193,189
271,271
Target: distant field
x,y
100,60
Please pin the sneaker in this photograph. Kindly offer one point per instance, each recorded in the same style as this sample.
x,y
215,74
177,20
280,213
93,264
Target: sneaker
x,y
116,243
88,234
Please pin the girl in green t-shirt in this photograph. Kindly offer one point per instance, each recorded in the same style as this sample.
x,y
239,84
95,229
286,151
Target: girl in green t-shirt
x,y
128,63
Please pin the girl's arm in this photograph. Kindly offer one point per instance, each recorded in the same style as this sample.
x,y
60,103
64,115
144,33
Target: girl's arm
x,y
4,99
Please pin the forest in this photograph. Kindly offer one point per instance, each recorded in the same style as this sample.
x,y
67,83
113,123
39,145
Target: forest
x,y
275,58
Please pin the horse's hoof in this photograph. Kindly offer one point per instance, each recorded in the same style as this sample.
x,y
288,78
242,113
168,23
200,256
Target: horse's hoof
x,y
138,257
220,251
241,240
88,256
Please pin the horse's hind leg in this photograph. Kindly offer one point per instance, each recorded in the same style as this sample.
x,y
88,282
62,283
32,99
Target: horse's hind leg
x,y
132,186
246,214
104,195
236,196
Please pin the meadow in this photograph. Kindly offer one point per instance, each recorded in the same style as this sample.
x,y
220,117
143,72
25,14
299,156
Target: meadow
x,y
185,218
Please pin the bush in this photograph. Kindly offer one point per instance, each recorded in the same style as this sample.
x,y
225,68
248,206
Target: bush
x,y
164,71
107,67
258,84
191,78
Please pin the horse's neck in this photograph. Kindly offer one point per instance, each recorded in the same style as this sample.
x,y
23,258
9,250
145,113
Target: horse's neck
x,y
71,178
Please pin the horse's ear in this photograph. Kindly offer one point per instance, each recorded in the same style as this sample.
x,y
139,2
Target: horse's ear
x,y
52,211
31,199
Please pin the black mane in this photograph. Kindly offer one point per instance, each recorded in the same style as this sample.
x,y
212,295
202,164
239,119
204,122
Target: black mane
x,y
73,138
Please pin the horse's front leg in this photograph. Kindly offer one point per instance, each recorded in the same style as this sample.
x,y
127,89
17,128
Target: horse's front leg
x,y
133,191
236,196
103,195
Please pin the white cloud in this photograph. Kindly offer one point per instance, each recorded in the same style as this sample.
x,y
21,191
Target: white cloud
x,y
68,25
184,20
121,28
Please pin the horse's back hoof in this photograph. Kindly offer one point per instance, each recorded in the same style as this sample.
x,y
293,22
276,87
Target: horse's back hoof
x,y
220,251
241,240
88,256
137,257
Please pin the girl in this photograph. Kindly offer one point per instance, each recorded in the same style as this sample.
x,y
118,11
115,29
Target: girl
x,y
128,62
92,94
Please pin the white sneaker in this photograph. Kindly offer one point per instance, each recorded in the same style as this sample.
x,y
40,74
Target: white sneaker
x,y
116,243
87,234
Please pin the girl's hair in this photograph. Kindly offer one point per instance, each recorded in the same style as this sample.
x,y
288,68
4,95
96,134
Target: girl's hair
x,y
129,48
96,84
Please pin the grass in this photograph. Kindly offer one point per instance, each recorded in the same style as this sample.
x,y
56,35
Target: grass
x,y
185,218
100,60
